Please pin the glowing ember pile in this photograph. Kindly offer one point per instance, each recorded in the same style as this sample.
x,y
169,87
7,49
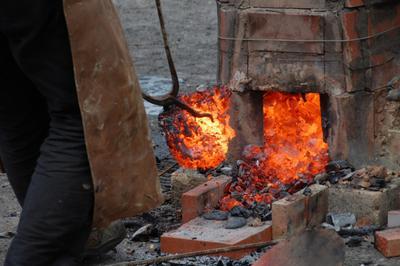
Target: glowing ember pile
x,y
294,151
200,142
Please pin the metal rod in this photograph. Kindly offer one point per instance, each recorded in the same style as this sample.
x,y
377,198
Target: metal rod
x,y
172,69
308,41
196,253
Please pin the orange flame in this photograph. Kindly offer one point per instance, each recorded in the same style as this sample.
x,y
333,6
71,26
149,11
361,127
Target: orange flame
x,y
293,152
199,142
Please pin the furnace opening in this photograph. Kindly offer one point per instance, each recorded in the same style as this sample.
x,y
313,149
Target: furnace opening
x,y
294,149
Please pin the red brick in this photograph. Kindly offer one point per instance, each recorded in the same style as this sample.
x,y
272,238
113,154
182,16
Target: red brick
x,y
200,234
295,213
292,26
349,21
288,3
354,3
288,216
352,51
383,68
205,196
388,242
317,205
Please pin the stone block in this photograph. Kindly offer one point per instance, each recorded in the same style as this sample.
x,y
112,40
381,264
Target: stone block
x,y
369,207
291,72
393,219
203,197
183,180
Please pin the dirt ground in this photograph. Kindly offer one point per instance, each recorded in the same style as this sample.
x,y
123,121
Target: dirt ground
x,y
192,28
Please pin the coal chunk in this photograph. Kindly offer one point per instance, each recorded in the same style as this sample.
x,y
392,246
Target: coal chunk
x,y
216,215
307,191
378,182
239,211
335,176
354,241
394,95
235,222
338,165
263,211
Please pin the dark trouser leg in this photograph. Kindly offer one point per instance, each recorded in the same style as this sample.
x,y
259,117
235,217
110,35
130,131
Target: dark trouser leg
x,y
56,216
24,123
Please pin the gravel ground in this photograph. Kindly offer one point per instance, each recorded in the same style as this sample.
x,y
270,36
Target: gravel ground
x,y
192,27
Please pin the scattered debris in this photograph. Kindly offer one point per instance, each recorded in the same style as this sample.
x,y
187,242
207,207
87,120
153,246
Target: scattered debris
x,y
373,177
360,231
341,220
255,222
142,231
7,235
354,241
321,178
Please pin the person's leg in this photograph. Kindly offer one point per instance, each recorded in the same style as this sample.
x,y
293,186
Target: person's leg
x,y
56,216
24,123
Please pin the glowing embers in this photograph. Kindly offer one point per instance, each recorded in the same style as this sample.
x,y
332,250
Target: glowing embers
x,y
199,142
294,151
294,143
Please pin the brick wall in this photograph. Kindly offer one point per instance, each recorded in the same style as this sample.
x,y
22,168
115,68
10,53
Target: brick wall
x,y
363,126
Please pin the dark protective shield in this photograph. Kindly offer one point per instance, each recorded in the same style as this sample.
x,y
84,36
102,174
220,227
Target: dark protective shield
x,y
310,248
117,136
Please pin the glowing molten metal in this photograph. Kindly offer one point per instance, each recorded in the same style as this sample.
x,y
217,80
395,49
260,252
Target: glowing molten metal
x,y
199,142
